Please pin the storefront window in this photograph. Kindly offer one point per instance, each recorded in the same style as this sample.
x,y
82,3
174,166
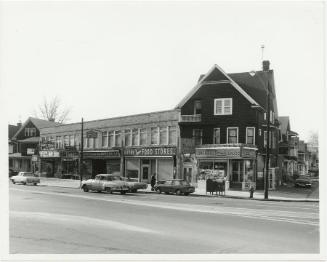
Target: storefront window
x,y
118,138
104,139
135,137
142,136
232,135
111,139
237,170
172,139
132,168
128,137
163,136
249,171
154,136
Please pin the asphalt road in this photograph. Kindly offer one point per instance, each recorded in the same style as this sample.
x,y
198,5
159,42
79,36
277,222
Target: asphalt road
x,y
63,221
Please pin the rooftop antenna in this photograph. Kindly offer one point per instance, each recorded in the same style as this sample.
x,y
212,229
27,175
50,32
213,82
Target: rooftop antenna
x,y
262,50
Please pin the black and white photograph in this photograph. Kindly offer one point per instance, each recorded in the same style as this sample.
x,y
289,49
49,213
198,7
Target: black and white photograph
x,y
163,130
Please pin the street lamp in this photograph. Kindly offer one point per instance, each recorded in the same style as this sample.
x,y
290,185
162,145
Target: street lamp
x,y
81,155
266,84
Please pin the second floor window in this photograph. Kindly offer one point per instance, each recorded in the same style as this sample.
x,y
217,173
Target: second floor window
x,y
216,135
223,106
250,134
104,139
163,136
135,137
232,135
197,137
142,136
118,138
128,137
111,138
30,131
172,135
154,136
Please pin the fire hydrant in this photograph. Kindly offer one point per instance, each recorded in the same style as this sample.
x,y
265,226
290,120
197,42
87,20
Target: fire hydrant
x,y
251,191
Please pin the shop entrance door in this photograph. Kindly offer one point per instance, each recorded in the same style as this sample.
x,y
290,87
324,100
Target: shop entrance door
x,y
145,170
98,167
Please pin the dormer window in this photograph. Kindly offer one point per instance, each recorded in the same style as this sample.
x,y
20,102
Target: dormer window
x,y
223,106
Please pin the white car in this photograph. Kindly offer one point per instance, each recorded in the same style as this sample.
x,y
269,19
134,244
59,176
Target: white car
x,y
25,178
106,182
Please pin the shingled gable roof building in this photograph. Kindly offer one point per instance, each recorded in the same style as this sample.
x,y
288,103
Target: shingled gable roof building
x,y
138,146
223,128
26,140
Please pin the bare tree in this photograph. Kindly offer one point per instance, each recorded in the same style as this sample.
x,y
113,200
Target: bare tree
x,y
313,138
53,110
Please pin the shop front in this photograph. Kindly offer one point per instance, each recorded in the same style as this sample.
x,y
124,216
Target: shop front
x,y
235,165
101,162
142,163
70,163
50,165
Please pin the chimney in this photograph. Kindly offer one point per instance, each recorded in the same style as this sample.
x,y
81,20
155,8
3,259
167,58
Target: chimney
x,y
265,65
19,124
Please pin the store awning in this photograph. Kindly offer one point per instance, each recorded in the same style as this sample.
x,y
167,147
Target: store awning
x,y
30,140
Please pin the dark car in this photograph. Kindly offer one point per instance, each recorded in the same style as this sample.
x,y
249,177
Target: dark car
x,y
302,182
175,186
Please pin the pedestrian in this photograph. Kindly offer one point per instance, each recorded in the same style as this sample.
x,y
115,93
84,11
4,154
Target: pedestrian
x,y
153,181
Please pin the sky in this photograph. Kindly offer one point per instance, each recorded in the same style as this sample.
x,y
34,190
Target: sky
x,y
107,59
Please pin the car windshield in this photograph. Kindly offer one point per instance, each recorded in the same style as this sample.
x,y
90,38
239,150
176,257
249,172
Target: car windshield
x,y
117,178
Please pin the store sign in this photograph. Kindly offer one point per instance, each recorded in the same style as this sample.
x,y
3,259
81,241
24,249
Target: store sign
x,y
101,154
49,153
47,145
91,134
30,151
70,154
34,158
220,153
225,152
150,151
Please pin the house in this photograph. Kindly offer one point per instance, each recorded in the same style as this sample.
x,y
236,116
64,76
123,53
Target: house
x,y
288,149
303,158
223,128
25,143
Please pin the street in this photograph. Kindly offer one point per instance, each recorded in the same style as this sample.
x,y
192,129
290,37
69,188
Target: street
x,y
56,220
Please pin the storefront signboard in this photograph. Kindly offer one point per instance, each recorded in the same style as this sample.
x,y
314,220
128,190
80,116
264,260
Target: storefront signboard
x,y
150,151
225,153
101,154
91,134
30,151
49,153
34,158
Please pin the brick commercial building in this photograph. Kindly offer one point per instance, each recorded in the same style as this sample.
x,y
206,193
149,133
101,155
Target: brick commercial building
x,y
218,129
137,146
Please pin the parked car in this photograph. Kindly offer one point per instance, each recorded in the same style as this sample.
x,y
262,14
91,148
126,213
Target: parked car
x,y
105,182
12,172
302,182
25,178
175,186
134,185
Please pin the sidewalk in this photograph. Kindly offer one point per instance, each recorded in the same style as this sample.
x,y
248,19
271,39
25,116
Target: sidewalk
x,y
258,195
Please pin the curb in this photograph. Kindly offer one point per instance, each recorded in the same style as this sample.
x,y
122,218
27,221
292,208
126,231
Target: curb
x,y
222,196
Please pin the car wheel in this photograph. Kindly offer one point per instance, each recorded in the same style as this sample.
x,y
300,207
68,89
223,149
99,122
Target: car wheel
x,y
134,191
24,183
178,192
85,188
159,191
186,194
34,184
13,181
122,192
108,190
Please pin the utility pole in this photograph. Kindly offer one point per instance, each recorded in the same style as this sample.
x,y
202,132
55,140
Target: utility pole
x,y
268,138
81,155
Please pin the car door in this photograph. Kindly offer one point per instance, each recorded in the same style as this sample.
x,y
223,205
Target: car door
x,y
167,186
95,183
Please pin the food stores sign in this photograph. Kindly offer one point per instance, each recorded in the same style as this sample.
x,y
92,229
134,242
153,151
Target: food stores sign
x,y
150,151
225,152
